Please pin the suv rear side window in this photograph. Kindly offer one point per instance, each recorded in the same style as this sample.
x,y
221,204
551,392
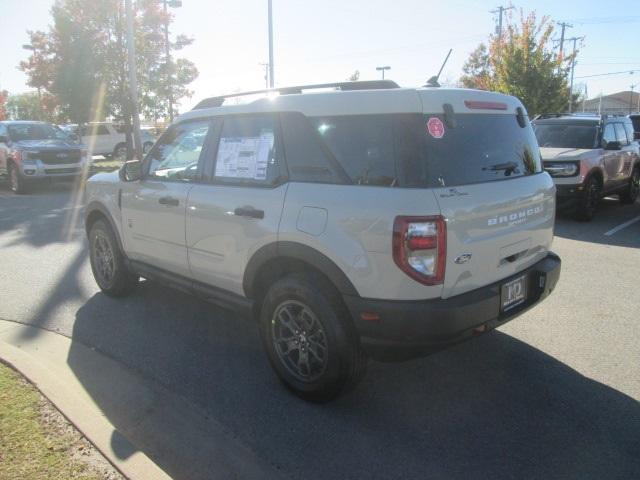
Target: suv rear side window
x,y
621,134
377,150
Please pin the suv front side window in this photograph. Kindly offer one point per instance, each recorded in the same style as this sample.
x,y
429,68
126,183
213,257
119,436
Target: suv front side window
x,y
621,134
176,155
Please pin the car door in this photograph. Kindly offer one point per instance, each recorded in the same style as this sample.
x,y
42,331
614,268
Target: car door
x,y
153,209
612,159
238,210
627,154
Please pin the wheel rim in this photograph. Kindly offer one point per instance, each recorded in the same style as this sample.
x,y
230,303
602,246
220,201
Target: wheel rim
x,y
104,260
299,340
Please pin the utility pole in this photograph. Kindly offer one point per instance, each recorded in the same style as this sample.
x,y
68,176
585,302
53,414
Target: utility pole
x,y
631,99
382,69
500,11
266,73
563,25
167,52
133,80
270,46
573,67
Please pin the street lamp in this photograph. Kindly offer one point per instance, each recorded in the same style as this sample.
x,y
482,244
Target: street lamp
x,y
631,99
382,69
166,4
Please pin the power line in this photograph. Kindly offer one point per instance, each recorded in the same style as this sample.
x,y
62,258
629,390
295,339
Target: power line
x,y
630,72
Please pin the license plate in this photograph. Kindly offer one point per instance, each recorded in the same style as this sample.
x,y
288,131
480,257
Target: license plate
x,y
514,293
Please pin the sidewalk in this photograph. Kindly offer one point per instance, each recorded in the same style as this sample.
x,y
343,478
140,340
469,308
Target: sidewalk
x,y
126,416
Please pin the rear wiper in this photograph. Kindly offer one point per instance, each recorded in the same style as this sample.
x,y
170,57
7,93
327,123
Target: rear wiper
x,y
508,167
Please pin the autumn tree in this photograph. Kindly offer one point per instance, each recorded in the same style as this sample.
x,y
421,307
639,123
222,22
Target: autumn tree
x,y
81,60
522,63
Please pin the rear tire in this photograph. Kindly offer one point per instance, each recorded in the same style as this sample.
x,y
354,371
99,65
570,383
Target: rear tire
x,y
309,339
630,194
589,200
108,263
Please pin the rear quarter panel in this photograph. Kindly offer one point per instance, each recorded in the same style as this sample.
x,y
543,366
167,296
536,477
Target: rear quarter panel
x,y
357,232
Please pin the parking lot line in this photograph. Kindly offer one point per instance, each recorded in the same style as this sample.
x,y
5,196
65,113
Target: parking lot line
x,y
622,225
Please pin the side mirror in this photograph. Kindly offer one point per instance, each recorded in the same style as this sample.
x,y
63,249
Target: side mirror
x,y
4,139
613,145
131,171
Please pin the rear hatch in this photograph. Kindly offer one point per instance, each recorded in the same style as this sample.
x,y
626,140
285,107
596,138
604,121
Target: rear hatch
x,y
484,165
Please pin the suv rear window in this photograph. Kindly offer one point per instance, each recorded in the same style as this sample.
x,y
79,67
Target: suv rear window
x,y
566,135
397,150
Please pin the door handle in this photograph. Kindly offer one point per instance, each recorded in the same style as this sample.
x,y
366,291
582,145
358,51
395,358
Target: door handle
x,y
248,212
169,201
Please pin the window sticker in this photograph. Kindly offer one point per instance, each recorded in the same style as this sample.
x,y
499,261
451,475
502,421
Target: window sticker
x,y
244,157
435,127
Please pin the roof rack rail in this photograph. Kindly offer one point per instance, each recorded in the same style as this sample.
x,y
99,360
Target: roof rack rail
x,y
345,86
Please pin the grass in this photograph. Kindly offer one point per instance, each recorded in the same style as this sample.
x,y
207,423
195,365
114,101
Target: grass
x,y
29,448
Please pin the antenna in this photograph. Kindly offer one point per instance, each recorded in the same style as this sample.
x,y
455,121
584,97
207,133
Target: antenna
x,y
433,81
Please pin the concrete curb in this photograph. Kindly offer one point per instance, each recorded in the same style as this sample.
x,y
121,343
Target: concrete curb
x,y
127,416
70,400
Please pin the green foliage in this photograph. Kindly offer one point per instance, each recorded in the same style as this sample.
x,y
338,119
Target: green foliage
x,y
355,76
82,60
3,104
522,63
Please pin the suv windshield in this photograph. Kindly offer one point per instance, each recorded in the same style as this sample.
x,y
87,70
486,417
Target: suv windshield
x,y
566,135
34,131
398,150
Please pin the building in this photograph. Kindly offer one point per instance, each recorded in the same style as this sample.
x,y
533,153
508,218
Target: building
x,y
620,103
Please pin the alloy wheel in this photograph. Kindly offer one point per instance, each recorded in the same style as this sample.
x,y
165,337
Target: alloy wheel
x,y
299,340
104,259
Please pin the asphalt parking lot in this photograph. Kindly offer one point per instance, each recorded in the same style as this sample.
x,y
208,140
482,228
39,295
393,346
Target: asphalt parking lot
x,y
553,394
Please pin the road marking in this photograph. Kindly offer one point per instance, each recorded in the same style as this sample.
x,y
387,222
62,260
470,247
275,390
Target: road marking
x,y
621,226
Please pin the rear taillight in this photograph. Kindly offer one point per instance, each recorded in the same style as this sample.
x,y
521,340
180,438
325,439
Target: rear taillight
x,y
420,247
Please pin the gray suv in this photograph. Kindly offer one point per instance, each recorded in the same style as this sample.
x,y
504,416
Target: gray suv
x,y
351,220
589,157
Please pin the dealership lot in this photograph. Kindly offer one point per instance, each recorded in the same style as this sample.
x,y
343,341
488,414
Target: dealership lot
x,y
552,394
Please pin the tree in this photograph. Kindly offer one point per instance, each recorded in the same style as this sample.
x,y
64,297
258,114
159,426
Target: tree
x,y
24,106
522,63
3,104
81,60
354,77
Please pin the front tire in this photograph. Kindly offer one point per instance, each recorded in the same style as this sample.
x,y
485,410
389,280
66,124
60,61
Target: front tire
x,y
309,339
17,184
630,194
588,203
107,262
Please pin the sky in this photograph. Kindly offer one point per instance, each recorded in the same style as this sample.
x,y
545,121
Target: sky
x,y
327,41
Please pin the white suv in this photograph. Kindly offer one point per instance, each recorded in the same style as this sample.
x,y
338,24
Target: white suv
x,y
109,140
368,220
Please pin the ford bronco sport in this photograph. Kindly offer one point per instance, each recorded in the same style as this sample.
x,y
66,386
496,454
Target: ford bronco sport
x,y
367,220
589,157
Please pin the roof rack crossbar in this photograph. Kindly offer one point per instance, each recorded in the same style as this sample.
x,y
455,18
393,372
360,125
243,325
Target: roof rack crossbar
x,y
345,86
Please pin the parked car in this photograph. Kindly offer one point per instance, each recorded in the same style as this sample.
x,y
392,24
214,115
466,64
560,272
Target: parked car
x,y
589,157
370,220
36,151
109,140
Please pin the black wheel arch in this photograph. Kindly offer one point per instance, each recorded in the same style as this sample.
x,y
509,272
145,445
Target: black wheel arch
x,y
95,211
275,259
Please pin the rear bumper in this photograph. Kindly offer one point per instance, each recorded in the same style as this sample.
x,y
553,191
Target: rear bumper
x,y
412,328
